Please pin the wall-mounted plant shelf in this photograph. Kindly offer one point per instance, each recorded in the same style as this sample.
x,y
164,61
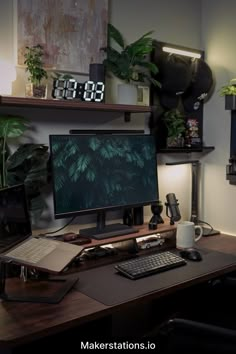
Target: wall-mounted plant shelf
x,y
11,101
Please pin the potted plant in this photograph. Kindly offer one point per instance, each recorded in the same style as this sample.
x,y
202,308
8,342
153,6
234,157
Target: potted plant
x,y
34,65
27,164
130,63
175,124
229,91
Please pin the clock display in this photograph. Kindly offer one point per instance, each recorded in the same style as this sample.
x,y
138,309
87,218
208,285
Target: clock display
x,y
71,89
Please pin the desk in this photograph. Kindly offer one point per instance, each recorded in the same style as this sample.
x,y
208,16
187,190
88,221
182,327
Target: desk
x,y
25,322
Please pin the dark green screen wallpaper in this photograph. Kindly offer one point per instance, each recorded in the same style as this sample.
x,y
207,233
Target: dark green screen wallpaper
x,y
102,171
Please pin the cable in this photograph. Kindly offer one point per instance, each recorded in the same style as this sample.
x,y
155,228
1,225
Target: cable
x,y
61,228
205,223
208,231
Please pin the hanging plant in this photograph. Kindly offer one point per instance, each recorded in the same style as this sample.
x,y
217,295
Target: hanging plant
x,y
28,164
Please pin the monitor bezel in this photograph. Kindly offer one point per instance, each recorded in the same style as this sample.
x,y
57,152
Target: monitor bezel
x,y
104,209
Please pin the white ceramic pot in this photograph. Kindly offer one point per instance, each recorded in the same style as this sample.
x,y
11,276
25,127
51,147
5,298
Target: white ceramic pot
x,y
127,94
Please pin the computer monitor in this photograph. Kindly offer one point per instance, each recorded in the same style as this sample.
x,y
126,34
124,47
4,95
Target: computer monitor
x,y
95,173
15,222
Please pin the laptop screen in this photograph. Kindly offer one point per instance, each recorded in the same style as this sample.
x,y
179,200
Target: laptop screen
x,y
14,217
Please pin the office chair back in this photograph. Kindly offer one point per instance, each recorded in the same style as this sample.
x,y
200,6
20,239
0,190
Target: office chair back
x,y
180,335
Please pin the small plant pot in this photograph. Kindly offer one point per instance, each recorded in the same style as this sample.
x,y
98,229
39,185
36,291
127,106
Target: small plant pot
x,y
127,94
175,142
230,102
36,91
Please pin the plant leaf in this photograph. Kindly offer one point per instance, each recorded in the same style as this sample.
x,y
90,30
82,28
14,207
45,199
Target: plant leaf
x,y
128,61
114,33
28,165
12,126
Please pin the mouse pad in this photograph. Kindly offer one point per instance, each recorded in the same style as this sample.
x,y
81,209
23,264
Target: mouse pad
x,y
107,286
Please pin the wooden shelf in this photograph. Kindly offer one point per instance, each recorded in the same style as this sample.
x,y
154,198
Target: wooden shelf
x,y
71,104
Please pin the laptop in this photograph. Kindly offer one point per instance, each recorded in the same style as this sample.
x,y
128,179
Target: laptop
x,y
17,244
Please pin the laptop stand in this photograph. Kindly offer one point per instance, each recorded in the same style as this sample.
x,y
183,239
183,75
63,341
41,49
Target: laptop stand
x,y
51,290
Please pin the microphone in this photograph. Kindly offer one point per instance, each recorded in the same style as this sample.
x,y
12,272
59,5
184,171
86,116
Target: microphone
x,y
173,206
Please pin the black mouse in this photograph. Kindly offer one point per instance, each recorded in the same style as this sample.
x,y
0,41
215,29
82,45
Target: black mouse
x,y
191,254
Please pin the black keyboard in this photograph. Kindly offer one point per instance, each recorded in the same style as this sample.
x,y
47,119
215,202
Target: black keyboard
x,y
147,265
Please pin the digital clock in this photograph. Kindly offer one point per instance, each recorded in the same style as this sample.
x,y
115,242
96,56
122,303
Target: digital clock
x,y
70,89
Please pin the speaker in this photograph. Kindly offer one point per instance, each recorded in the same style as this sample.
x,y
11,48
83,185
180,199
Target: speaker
x,y
138,215
97,72
128,217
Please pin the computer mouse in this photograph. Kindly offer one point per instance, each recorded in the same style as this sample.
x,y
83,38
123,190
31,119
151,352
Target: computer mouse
x,y
70,236
191,254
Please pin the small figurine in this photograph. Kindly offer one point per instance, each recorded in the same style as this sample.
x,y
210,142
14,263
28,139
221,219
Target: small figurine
x,y
192,133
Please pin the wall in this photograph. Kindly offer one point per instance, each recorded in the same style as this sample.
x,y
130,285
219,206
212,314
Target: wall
x,y
218,23
173,22
6,30
133,18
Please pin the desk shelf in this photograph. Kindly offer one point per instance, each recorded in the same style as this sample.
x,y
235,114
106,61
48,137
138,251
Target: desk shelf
x,y
143,230
166,231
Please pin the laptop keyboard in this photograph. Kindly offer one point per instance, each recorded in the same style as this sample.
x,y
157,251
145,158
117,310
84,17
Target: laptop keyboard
x,y
32,250
147,265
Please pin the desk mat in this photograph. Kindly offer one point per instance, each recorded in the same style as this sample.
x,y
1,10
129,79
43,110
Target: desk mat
x,y
107,286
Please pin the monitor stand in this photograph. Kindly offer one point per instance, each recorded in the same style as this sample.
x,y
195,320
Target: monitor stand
x,y
102,231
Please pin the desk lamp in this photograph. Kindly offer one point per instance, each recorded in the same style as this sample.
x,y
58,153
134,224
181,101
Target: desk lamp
x,y
194,195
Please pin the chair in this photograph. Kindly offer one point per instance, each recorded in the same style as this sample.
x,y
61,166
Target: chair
x,y
179,335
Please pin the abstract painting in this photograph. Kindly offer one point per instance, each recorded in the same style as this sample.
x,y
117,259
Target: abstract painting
x,y
71,32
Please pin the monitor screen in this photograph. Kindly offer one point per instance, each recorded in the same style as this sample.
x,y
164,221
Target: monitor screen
x,y
99,172
14,217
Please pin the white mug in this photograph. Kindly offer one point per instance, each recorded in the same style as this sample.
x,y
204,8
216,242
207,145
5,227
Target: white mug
x,y
186,234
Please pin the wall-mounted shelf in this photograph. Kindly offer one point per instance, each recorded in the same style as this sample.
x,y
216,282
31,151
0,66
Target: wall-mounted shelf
x,y
11,101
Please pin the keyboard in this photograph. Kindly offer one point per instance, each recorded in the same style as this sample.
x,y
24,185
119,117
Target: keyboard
x,y
150,264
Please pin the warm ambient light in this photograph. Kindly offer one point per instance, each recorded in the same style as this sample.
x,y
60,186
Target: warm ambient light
x,y
8,75
207,231
181,52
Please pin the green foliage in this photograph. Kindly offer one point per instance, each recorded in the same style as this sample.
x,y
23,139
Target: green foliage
x,y
34,64
175,123
130,62
10,127
63,76
28,164
80,168
229,89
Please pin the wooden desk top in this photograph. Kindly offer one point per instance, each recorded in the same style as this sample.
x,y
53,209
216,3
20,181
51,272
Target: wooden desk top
x,y
24,322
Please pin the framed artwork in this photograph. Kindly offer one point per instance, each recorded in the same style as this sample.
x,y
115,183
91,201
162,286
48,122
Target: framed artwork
x,y
143,95
72,33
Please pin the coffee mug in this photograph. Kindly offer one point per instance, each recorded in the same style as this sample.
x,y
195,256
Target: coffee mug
x,y
186,234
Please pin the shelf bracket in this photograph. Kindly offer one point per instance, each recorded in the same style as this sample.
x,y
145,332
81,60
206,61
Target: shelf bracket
x,y
127,117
